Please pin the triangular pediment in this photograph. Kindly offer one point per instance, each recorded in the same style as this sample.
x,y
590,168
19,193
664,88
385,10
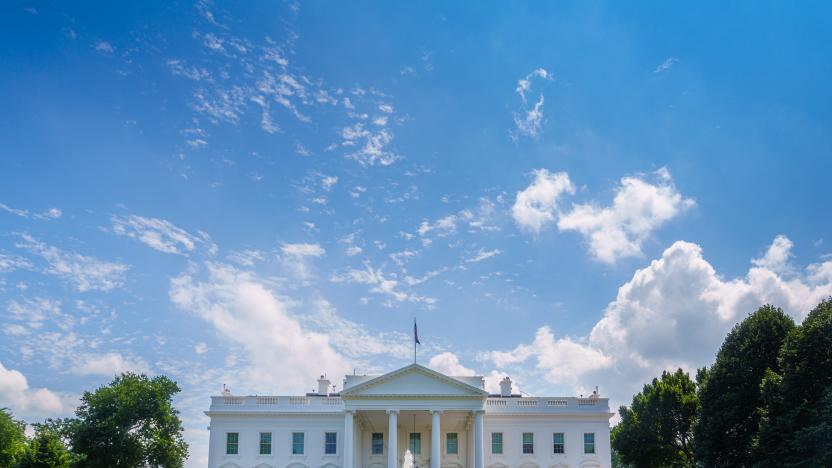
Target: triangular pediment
x,y
414,380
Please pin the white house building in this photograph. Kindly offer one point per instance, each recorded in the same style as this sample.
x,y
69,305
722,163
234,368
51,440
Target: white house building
x,y
411,417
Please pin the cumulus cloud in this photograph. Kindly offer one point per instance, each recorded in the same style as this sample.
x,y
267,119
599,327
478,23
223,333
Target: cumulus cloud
x,y
536,205
245,312
448,364
85,273
24,401
639,207
160,234
673,313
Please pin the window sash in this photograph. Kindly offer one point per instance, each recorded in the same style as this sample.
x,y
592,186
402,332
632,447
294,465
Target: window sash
x,y
452,444
589,442
232,443
557,442
265,443
331,443
415,443
297,443
497,442
378,443
528,442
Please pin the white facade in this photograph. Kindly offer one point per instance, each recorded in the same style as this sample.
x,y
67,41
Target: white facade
x,y
457,422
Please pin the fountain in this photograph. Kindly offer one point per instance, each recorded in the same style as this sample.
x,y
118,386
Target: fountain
x,y
409,461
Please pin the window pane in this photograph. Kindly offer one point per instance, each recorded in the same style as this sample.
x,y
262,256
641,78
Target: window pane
x,y
265,443
452,443
497,442
232,443
378,443
415,443
589,443
528,442
297,443
557,442
331,443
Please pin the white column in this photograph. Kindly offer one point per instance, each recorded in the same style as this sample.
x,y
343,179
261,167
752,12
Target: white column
x,y
469,444
349,440
392,438
478,442
435,440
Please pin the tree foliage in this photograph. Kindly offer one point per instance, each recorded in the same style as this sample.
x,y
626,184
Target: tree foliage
x,y
657,429
12,439
130,423
46,450
796,420
730,397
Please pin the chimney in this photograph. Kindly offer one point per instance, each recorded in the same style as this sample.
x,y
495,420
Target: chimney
x,y
323,386
505,387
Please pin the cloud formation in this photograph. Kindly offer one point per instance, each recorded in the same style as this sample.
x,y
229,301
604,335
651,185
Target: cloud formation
x,y
535,206
160,234
29,402
527,121
639,207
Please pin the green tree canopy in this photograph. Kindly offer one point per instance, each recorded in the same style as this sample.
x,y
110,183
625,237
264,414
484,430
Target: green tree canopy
x,y
12,439
46,450
730,397
657,429
130,423
798,399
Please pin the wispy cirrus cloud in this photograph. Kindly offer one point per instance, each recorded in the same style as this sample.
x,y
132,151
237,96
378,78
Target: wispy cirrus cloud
x,y
160,234
85,273
528,120
51,213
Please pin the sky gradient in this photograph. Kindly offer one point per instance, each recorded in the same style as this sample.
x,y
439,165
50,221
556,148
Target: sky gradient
x,y
252,194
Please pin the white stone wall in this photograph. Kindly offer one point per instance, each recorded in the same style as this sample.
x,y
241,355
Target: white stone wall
x,y
281,427
314,426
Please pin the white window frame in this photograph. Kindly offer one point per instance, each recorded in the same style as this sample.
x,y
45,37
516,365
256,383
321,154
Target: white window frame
x,y
292,444
593,452
562,443
260,443
502,444
238,442
334,454
372,446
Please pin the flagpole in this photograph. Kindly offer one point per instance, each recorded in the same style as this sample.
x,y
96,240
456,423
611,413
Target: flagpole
x,y
414,340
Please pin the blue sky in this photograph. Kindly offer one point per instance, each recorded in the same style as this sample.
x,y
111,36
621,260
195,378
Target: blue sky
x,y
572,194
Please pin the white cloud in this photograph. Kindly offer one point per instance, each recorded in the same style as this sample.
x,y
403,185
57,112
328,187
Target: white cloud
x,y
441,227
777,256
529,120
85,273
371,145
180,68
109,364
666,65
244,311
24,401
673,313
639,207
160,234
295,258
10,263
104,47
483,254
327,182
535,206
381,284
247,257
448,364
51,213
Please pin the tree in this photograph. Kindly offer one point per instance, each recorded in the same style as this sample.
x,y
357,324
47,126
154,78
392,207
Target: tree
x,y
795,420
46,450
12,439
730,397
657,429
130,423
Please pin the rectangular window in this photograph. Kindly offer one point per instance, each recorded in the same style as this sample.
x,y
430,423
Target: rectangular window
x,y
265,443
557,442
451,443
297,443
589,442
528,442
415,443
497,443
330,443
378,443
232,443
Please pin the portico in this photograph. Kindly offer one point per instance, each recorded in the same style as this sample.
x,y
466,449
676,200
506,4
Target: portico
x,y
413,403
